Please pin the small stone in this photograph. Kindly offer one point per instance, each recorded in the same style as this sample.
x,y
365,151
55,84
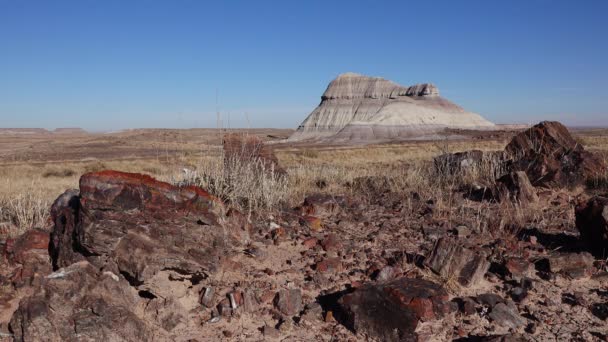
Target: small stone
x,y
518,267
489,299
331,243
329,317
313,223
506,316
463,231
313,312
310,242
385,274
329,265
224,308
518,294
206,297
289,302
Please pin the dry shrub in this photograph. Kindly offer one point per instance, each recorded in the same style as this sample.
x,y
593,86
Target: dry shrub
x,y
247,175
310,153
23,212
58,173
94,167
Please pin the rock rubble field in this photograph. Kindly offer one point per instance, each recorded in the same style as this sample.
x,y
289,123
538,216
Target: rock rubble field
x,y
130,258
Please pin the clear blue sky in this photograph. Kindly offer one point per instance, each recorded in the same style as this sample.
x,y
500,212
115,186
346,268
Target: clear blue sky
x,y
105,64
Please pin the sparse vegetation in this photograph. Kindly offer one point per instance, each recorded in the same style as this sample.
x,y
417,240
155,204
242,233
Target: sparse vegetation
x,y
28,189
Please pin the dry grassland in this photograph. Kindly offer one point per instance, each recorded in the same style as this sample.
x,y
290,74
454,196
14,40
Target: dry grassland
x,y
27,189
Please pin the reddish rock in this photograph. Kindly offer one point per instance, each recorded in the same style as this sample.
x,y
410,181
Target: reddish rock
x,y
35,239
310,242
452,260
27,258
125,191
118,224
311,222
550,156
592,223
289,302
331,243
518,267
391,311
329,265
323,205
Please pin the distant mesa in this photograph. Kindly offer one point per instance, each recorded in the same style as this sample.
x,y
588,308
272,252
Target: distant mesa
x,y
18,131
69,130
30,131
358,108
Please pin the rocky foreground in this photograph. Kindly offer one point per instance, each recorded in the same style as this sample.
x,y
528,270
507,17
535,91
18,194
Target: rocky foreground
x,y
130,258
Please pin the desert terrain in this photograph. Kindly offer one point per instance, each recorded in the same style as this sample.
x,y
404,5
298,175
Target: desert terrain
x,y
254,237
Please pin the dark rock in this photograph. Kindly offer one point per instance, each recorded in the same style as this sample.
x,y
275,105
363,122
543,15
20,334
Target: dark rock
x,y
467,306
452,163
323,205
78,303
573,265
507,316
516,187
489,299
550,156
391,311
289,302
452,260
600,310
592,223
518,294
119,225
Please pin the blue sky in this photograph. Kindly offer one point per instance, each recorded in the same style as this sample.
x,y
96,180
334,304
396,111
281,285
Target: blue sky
x,y
105,64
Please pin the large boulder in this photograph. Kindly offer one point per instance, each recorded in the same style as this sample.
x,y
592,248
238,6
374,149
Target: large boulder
x,y
391,311
80,303
137,226
128,251
551,157
592,223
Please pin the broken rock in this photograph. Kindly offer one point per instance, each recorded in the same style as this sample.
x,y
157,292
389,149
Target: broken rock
x,y
289,302
550,156
391,311
516,187
451,260
592,223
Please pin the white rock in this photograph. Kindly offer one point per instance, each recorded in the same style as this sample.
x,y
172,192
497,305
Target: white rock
x,y
361,108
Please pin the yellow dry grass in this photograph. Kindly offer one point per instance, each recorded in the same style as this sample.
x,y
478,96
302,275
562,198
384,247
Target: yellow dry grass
x,y
28,189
